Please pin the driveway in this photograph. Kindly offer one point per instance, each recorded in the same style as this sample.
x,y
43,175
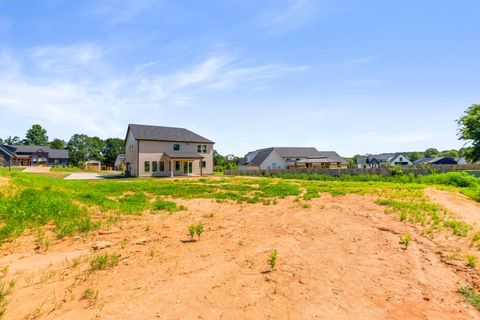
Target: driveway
x,y
37,169
88,176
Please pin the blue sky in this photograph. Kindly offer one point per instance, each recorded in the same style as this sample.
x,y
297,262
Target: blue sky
x,y
351,76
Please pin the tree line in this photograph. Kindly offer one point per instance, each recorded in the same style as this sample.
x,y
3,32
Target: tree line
x,y
81,147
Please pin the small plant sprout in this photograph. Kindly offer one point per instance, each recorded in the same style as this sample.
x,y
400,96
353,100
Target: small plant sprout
x,y
405,240
272,259
191,231
199,229
471,261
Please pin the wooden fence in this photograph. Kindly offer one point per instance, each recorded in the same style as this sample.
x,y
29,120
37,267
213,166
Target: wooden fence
x,y
357,172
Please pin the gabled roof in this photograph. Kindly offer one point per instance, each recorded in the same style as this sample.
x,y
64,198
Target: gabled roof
x,y
292,153
296,152
52,153
157,133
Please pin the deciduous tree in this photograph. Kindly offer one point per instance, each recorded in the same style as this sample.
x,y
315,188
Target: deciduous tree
x,y
469,131
36,135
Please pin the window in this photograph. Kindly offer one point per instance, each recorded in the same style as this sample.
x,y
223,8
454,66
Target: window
x,y
202,148
203,164
176,147
147,166
154,166
162,166
177,165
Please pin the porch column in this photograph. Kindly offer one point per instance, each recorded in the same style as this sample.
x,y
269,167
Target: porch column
x,y
171,168
201,167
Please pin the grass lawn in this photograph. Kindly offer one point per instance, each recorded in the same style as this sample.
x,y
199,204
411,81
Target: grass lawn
x,y
30,201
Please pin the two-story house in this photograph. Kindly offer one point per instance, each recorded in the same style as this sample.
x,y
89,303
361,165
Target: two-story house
x,y
166,151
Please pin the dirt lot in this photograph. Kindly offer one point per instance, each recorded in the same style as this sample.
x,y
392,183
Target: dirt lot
x,y
338,259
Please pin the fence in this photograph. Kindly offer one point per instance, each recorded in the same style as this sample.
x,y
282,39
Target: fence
x,y
384,171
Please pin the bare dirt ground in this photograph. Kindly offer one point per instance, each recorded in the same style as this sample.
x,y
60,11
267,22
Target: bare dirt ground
x,y
37,169
339,259
457,203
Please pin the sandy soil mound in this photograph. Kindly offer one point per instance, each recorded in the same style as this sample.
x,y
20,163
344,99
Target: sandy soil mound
x,y
457,203
338,259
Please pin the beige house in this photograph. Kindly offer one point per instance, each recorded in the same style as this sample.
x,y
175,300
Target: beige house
x,y
291,157
166,151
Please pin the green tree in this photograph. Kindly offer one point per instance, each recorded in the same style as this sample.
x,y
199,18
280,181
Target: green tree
x,y
469,131
1,141
14,140
95,147
57,144
77,148
413,156
113,147
431,153
450,153
36,135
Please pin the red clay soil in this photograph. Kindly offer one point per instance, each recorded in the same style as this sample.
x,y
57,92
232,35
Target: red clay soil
x,y
339,259
457,203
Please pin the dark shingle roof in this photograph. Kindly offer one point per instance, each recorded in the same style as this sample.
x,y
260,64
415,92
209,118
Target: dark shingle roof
x,y
52,153
292,153
260,157
297,152
143,132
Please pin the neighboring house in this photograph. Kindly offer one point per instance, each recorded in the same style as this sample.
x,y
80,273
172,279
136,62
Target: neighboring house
x,y
435,161
119,161
20,155
383,160
290,157
166,151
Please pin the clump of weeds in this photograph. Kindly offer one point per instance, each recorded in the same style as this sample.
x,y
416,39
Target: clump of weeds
x,y
104,261
405,240
272,259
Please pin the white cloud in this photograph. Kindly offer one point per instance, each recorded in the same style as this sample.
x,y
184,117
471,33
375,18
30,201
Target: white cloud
x,y
66,58
285,19
58,85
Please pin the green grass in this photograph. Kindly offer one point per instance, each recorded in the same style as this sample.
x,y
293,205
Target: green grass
x,y
5,289
470,295
32,201
104,261
169,206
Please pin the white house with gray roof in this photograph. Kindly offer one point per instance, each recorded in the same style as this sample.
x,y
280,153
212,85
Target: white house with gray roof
x,y
291,157
166,151
383,160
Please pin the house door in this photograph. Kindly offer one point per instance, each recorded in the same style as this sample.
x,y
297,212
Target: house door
x,y
187,167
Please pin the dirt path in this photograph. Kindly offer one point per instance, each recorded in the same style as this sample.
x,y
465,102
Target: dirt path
x,y
339,259
457,203
37,169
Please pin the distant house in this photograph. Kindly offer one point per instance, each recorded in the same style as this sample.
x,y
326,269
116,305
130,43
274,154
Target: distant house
x,y
436,161
119,161
291,157
383,160
20,155
166,151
